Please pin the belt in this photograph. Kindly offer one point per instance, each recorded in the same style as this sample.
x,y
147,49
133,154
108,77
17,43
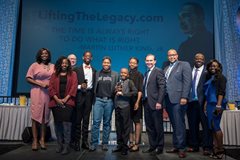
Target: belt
x,y
104,98
85,90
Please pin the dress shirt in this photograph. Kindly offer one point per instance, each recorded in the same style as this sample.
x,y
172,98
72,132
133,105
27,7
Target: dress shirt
x,y
200,70
146,80
169,70
88,75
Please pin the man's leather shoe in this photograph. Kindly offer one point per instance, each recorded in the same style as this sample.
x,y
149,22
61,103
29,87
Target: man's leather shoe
x,y
148,150
85,145
158,151
117,149
192,150
181,154
72,144
206,152
77,146
92,148
124,152
173,150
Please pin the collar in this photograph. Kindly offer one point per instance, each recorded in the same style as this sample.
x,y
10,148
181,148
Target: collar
x,y
87,66
199,69
151,68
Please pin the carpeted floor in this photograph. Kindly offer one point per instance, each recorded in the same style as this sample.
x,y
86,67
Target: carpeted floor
x,y
4,148
21,151
233,152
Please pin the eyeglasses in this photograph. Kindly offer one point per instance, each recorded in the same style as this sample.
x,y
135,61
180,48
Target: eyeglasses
x,y
132,63
172,55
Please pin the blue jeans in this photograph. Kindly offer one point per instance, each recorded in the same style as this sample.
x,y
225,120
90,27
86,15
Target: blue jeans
x,y
102,110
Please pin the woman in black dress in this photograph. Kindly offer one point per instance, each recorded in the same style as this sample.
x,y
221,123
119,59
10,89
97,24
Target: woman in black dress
x,y
136,105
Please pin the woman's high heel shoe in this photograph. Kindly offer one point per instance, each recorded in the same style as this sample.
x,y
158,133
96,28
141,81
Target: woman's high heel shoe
x,y
130,145
42,145
135,148
34,146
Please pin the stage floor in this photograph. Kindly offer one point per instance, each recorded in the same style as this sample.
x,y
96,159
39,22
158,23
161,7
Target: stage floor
x,y
25,153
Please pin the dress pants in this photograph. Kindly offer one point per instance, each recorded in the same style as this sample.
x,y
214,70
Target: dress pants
x,y
122,122
176,113
196,115
63,132
83,109
154,126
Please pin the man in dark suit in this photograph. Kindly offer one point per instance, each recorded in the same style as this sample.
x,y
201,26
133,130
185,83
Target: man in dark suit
x,y
179,78
153,94
86,80
195,111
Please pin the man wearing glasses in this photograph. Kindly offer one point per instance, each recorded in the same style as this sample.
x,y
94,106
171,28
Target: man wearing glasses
x,y
178,76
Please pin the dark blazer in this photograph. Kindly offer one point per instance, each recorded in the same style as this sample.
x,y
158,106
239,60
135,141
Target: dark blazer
x,y
200,90
155,87
80,75
71,89
179,81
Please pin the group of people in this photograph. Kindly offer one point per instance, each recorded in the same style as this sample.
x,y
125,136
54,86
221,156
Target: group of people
x,y
72,92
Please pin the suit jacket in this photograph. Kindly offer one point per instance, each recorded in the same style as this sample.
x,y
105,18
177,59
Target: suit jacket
x,y
179,81
115,79
71,89
80,75
200,90
155,87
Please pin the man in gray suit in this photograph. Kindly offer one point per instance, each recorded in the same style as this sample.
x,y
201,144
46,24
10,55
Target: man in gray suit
x,y
178,84
153,95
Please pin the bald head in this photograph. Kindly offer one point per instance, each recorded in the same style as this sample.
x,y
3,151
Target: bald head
x,y
172,55
199,60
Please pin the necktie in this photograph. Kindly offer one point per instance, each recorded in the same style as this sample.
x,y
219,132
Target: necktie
x,y
194,94
145,83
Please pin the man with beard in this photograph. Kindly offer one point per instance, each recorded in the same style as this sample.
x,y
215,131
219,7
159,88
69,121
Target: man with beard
x,y
178,85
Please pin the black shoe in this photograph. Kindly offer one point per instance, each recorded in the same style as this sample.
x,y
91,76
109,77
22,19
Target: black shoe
x,y
65,150
77,146
72,144
158,151
92,148
181,154
85,145
148,150
124,152
192,149
173,150
117,149
206,152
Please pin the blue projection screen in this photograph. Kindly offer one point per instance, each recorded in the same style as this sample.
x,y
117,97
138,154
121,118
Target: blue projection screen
x,y
116,28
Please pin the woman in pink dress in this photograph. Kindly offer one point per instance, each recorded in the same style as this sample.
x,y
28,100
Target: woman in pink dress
x,y
38,76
